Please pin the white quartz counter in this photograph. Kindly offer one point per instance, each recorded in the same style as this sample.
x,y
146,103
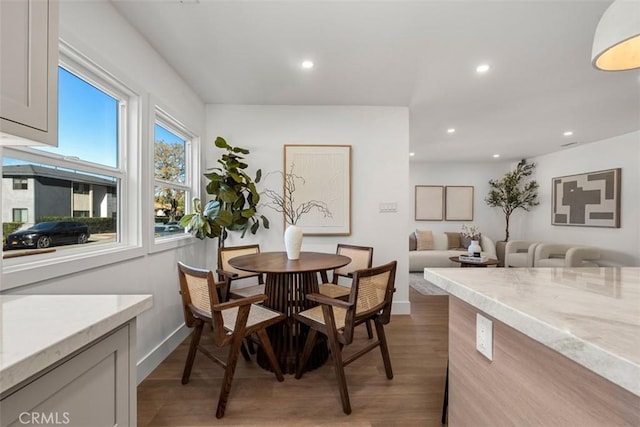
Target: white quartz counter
x,y
590,315
36,331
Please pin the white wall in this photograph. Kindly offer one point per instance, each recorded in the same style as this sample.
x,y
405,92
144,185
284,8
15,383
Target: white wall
x,y
621,244
97,30
380,171
490,220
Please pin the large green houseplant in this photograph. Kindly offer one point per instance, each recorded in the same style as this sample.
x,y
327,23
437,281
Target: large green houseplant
x,y
235,199
513,191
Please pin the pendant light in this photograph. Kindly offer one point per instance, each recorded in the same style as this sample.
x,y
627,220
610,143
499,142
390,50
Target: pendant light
x,y
616,44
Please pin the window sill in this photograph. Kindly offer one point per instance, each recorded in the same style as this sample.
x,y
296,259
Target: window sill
x,y
16,272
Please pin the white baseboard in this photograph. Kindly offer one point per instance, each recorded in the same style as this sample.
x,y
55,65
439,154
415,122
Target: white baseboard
x,y
149,362
401,307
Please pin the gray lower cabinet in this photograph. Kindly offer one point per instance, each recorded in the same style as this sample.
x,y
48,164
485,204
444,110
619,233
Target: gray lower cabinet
x,y
96,386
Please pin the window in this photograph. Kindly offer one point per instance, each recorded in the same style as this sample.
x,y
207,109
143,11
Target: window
x,y
20,184
173,151
20,215
92,174
79,188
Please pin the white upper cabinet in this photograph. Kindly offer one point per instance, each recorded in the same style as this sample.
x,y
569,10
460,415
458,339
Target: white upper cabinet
x,y
29,72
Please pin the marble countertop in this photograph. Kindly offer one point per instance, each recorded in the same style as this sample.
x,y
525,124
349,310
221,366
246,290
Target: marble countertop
x,y
590,315
39,330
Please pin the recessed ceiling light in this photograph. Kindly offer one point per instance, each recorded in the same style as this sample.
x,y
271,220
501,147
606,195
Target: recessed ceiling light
x,y
307,64
451,130
495,156
482,68
412,154
567,133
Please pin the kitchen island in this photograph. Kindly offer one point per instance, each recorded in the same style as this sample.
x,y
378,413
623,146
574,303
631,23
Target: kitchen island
x,y
69,359
565,347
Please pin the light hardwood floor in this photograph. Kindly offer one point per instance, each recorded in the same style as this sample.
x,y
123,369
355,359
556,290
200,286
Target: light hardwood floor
x,y
418,349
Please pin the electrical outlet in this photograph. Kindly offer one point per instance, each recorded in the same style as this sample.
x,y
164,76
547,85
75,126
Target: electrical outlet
x,y
484,336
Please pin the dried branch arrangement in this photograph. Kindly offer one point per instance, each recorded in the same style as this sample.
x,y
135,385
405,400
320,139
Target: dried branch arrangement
x,y
286,202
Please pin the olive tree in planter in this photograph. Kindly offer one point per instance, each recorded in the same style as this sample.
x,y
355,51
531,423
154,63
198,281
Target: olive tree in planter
x,y
513,191
235,199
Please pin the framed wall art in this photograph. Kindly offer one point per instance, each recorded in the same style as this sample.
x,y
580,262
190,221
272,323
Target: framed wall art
x,y
458,203
589,199
429,202
322,175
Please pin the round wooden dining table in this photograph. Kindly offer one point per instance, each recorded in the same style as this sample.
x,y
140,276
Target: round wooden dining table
x,y
286,286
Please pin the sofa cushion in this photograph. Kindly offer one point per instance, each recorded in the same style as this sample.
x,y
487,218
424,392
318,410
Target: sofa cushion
x,y
453,240
424,240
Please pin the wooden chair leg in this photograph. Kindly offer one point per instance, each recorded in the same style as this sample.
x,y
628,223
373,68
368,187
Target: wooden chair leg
x,y
193,349
268,350
245,353
232,361
336,353
369,330
384,349
306,352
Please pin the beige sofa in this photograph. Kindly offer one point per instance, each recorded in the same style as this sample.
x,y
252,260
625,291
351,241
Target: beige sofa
x,y
439,255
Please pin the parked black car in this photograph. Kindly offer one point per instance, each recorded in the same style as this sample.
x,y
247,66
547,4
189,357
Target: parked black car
x,y
45,234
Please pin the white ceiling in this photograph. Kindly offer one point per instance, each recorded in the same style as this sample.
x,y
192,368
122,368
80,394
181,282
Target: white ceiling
x,y
420,54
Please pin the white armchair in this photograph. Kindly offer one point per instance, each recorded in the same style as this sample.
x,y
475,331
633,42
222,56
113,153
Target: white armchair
x,y
519,253
559,255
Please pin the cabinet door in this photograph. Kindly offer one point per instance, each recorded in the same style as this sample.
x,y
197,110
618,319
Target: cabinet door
x,y
28,70
91,388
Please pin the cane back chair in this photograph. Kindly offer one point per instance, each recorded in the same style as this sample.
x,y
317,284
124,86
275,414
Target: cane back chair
x,y
361,257
370,299
231,322
230,274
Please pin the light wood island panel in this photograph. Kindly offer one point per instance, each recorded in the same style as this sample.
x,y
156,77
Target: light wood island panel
x,y
527,383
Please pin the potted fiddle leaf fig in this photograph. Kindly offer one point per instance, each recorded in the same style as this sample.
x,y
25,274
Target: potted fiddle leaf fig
x,y
235,199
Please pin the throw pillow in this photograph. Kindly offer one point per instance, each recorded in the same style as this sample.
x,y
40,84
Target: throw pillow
x,y
466,241
453,240
424,240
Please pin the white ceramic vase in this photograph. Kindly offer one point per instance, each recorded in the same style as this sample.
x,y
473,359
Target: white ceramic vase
x,y
474,248
293,241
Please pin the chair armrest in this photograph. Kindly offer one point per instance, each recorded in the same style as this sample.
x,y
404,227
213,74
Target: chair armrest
x,y
550,250
514,246
576,255
322,299
227,274
239,302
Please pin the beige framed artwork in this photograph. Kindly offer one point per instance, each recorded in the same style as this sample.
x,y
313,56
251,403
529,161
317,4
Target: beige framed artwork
x,y
429,202
458,203
326,177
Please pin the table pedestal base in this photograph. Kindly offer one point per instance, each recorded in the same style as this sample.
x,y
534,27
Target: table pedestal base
x,y
286,294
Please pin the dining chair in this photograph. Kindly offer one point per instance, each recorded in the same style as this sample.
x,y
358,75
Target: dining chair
x,y
370,299
230,274
361,257
231,323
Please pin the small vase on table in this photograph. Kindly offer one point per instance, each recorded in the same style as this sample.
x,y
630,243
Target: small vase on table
x,y
293,241
474,248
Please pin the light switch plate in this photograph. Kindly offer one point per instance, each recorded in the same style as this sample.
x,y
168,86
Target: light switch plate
x,y
484,336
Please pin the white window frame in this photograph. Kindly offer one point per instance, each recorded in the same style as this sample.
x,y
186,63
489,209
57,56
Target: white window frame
x,y
191,186
31,269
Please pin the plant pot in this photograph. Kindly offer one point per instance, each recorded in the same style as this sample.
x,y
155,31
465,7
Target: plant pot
x,y
293,241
